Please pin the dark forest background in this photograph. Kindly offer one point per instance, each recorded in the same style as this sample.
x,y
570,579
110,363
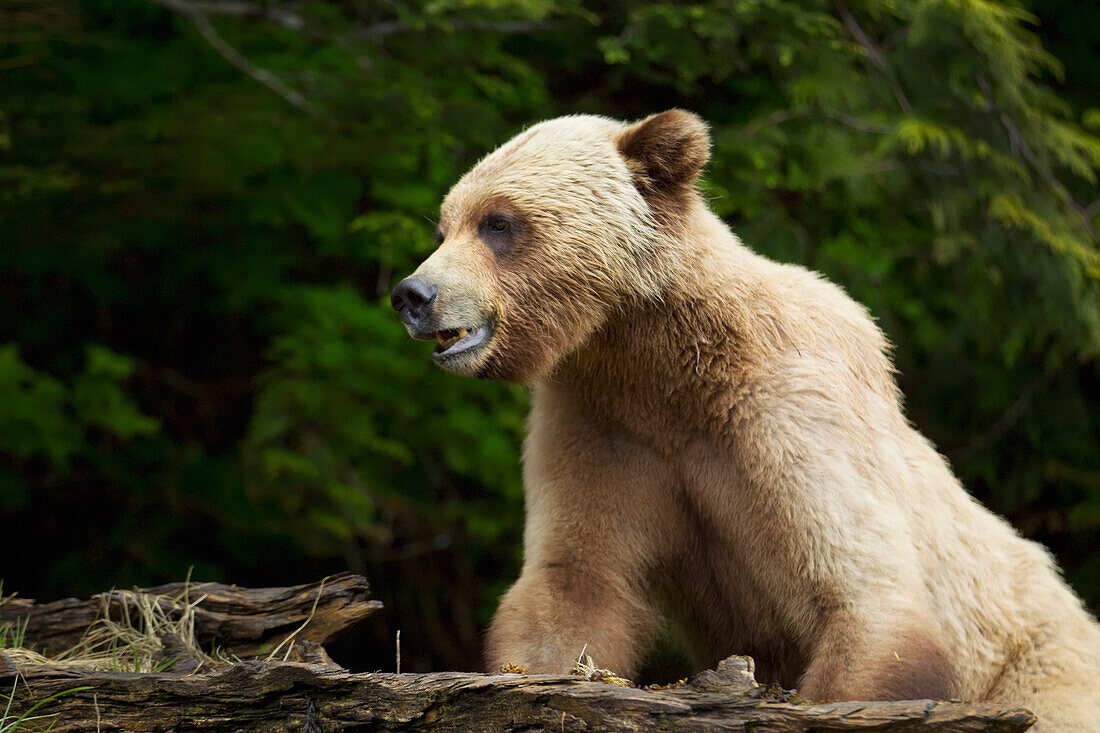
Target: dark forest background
x,y
204,203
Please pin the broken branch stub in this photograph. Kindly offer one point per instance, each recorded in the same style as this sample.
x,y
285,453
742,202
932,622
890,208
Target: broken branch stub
x,y
243,622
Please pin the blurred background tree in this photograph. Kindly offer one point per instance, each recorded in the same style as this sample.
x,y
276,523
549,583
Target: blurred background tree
x,y
204,203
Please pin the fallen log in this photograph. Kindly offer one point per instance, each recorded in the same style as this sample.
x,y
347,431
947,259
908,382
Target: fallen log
x,y
287,696
314,695
243,622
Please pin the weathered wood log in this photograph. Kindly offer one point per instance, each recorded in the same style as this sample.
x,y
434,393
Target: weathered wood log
x,y
313,694
259,696
244,622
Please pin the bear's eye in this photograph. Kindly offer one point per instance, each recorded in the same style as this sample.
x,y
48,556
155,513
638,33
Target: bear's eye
x,y
496,224
498,231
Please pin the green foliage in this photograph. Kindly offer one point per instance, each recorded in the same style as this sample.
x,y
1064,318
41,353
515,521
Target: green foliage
x,y
197,349
354,427
41,417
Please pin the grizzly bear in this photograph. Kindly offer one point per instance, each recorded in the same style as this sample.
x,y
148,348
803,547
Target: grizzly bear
x,y
717,441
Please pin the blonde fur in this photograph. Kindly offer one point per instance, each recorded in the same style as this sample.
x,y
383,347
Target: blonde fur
x,y
718,439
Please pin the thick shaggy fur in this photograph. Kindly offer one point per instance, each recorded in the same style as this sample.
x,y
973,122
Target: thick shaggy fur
x,y
717,440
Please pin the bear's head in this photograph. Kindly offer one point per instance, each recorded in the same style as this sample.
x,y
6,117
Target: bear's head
x,y
548,235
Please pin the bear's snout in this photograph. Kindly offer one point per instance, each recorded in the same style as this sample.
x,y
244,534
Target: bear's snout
x,y
413,300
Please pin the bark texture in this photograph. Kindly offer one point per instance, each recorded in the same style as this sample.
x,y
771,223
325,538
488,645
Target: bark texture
x,y
287,696
315,695
244,622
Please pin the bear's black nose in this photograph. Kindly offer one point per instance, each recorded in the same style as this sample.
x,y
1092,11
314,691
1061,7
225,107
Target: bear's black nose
x,y
413,299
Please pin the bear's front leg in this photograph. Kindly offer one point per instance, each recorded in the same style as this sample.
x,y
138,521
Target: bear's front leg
x,y
599,520
562,608
853,660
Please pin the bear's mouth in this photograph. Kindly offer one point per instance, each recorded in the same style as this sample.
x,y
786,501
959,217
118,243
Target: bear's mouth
x,y
454,341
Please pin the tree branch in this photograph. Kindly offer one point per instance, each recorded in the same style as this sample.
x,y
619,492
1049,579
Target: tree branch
x,y
287,17
772,119
856,123
387,27
780,116
283,14
1012,415
1018,142
874,54
196,13
200,11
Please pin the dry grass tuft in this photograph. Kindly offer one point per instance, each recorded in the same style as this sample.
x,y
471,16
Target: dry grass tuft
x,y
128,636
585,667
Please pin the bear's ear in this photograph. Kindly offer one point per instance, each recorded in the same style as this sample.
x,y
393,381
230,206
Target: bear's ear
x,y
666,151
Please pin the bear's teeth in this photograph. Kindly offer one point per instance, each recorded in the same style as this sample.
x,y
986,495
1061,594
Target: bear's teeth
x,y
450,337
